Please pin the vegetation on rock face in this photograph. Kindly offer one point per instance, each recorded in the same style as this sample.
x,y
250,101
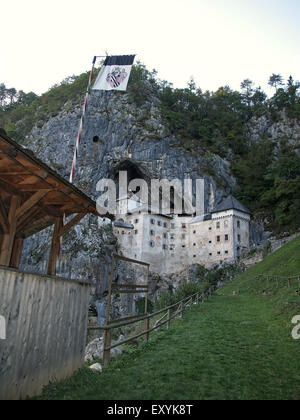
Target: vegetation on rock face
x,y
201,282
267,169
20,113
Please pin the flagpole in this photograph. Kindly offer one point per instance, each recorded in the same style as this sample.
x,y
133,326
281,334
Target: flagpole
x,y
76,150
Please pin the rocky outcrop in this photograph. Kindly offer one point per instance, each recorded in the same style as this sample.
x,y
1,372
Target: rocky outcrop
x,y
257,254
282,128
94,350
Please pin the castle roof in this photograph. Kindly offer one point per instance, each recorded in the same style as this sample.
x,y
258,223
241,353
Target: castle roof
x,y
122,224
231,203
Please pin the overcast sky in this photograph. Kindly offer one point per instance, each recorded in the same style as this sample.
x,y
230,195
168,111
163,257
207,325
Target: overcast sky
x,y
218,42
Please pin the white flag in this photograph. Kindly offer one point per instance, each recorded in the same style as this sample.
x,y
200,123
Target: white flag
x,y
115,73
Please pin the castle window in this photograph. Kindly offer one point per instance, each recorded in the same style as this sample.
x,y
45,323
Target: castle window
x,y
183,236
165,246
183,225
218,225
165,235
219,253
226,223
209,228
95,139
210,242
172,225
152,233
152,221
218,238
239,238
210,254
194,244
158,223
172,237
226,252
226,237
183,246
238,224
152,244
194,256
136,232
166,225
136,221
194,232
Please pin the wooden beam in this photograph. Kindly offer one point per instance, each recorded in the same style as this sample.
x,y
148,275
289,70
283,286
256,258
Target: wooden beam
x,y
38,225
3,217
27,219
34,199
4,185
54,246
16,252
8,238
71,223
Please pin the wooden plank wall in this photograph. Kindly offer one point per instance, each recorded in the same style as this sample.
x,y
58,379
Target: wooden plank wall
x,y
46,331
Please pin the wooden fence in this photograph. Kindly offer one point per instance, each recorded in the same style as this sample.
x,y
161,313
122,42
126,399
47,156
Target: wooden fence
x,y
170,312
269,278
46,322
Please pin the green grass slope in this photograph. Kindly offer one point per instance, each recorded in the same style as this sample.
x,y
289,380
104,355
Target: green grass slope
x,y
284,262
236,346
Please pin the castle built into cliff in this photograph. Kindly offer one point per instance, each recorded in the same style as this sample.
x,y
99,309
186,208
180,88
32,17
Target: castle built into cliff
x,y
172,242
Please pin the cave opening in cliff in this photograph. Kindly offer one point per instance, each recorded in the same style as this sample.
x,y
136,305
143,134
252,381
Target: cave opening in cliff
x,y
134,171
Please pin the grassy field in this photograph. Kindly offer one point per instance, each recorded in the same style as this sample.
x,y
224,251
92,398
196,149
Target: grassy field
x,y
238,345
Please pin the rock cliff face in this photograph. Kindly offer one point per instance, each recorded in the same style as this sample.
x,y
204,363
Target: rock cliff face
x,y
119,135
283,128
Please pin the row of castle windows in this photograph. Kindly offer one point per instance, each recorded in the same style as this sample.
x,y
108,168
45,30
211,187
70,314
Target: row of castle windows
x,y
184,225
226,224
159,223
152,233
172,237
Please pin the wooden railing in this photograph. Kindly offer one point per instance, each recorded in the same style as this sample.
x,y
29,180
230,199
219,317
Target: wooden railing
x,y
270,278
171,312
265,280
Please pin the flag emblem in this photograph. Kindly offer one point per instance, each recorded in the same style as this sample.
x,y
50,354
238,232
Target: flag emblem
x,y
116,77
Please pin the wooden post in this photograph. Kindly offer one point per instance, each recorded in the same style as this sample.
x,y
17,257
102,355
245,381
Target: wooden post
x,y
169,316
147,326
289,283
181,310
16,252
9,237
109,290
54,246
146,294
106,344
147,320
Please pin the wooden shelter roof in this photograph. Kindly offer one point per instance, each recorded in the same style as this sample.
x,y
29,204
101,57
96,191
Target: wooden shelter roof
x,y
44,195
